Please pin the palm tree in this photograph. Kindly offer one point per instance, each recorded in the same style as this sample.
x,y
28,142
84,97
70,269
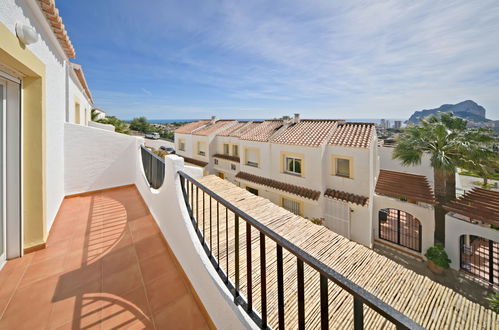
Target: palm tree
x,y
450,145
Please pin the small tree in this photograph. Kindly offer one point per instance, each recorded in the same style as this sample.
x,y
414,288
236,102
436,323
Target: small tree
x,y
494,301
483,161
93,115
119,125
140,124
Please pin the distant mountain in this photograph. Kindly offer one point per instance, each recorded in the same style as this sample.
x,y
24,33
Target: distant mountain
x,y
468,110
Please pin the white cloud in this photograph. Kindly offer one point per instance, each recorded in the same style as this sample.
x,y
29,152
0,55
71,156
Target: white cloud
x,y
382,57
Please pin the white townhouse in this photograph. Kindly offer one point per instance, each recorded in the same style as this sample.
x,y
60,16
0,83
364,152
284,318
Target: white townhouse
x,y
325,170
79,102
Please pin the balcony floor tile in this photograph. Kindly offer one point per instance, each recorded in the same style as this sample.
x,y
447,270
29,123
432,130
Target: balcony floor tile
x,y
106,265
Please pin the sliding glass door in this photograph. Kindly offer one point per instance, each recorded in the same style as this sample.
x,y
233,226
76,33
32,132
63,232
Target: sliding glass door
x,y
2,171
10,168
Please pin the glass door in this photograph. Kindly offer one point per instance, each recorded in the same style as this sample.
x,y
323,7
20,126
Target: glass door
x,y
2,170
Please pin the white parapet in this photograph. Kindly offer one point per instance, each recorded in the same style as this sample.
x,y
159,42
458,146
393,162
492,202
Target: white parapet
x,y
168,208
455,228
107,127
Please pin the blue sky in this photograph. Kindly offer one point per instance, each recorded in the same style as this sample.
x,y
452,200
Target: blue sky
x,y
262,59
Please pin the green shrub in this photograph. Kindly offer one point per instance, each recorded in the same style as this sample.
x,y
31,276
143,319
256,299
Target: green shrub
x,y
438,255
494,301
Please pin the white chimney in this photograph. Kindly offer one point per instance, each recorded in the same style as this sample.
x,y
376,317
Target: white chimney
x,y
297,118
213,119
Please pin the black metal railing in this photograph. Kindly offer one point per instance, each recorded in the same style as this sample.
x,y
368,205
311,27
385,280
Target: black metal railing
x,y
192,190
154,167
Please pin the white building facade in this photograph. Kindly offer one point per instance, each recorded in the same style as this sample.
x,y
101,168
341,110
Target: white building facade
x,y
324,170
42,90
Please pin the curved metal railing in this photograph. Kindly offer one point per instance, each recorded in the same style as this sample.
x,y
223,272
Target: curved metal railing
x,y
154,167
191,190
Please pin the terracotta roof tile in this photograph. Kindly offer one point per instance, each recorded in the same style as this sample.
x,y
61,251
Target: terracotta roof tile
x,y
55,21
232,129
311,133
357,135
228,157
478,204
263,131
189,127
249,126
405,185
347,197
292,189
194,161
213,128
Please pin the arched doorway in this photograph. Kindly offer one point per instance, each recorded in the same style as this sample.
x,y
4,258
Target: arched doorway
x,y
480,257
401,228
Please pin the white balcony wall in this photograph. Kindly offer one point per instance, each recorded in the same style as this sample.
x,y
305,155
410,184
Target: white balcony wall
x,y
107,127
168,208
98,159
424,213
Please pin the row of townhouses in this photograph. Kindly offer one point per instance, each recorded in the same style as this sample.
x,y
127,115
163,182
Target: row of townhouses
x,y
325,170
336,173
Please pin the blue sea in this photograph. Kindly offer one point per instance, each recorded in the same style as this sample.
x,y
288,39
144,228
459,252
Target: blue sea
x,y
366,120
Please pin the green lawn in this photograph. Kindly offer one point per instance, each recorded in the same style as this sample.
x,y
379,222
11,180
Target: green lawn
x,y
473,174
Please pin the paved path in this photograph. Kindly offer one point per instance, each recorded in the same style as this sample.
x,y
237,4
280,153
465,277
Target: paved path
x,y
467,182
460,282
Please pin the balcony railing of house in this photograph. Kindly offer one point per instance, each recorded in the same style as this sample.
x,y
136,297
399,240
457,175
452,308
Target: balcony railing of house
x,y
192,189
154,167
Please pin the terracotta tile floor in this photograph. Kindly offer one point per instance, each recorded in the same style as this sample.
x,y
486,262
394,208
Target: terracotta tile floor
x,y
106,266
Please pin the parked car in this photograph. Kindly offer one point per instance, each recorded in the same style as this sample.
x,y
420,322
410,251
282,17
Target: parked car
x,y
170,150
152,135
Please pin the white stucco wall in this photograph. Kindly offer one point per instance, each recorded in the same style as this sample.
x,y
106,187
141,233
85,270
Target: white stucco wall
x,y
387,163
361,224
76,96
360,182
425,215
98,159
173,219
107,127
455,227
50,53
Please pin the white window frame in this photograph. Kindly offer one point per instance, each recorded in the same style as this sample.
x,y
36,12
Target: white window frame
x,y
294,165
335,166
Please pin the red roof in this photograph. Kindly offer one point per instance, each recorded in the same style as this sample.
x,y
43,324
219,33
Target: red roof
x,y
290,188
353,135
479,204
310,133
347,197
404,185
